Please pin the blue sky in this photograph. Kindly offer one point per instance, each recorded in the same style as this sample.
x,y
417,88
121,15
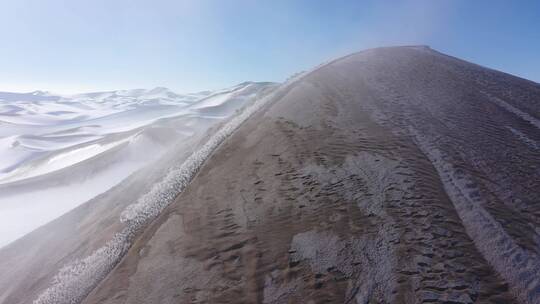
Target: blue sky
x,y
189,45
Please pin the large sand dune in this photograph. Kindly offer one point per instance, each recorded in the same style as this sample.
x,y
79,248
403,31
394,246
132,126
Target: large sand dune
x,y
394,175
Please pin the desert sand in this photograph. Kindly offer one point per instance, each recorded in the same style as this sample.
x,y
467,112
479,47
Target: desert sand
x,y
394,175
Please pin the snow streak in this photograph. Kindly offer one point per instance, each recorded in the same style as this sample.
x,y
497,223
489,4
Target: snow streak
x,y
516,265
510,108
529,142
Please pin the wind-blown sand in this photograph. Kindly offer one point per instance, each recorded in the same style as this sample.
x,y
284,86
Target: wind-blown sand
x,y
393,175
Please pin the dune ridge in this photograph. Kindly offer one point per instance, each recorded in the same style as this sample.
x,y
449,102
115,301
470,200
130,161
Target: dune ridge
x,y
390,175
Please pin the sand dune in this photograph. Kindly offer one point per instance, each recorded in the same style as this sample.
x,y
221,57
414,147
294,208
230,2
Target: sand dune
x,y
390,175
393,175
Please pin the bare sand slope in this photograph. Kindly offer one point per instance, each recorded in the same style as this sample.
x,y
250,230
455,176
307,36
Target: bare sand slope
x,y
395,175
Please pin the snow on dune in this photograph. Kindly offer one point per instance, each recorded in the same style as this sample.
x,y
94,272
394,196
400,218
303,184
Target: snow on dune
x,y
74,281
12,154
44,205
60,161
221,97
213,100
34,126
55,142
57,152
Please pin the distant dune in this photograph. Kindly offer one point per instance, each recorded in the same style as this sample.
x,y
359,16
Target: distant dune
x,y
67,181
393,175
66,150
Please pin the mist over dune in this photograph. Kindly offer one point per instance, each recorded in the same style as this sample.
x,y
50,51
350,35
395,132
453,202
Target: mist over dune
x,y
392,175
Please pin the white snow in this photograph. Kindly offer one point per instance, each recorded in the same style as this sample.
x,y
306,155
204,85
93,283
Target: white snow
x,y
57,152
24,212
60,161
526,140
518,266
510,108
75,280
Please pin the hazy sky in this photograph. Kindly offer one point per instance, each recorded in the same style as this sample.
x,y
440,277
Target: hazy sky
x,y
189,45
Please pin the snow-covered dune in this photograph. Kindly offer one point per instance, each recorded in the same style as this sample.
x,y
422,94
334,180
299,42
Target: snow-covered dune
x,y
57,152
